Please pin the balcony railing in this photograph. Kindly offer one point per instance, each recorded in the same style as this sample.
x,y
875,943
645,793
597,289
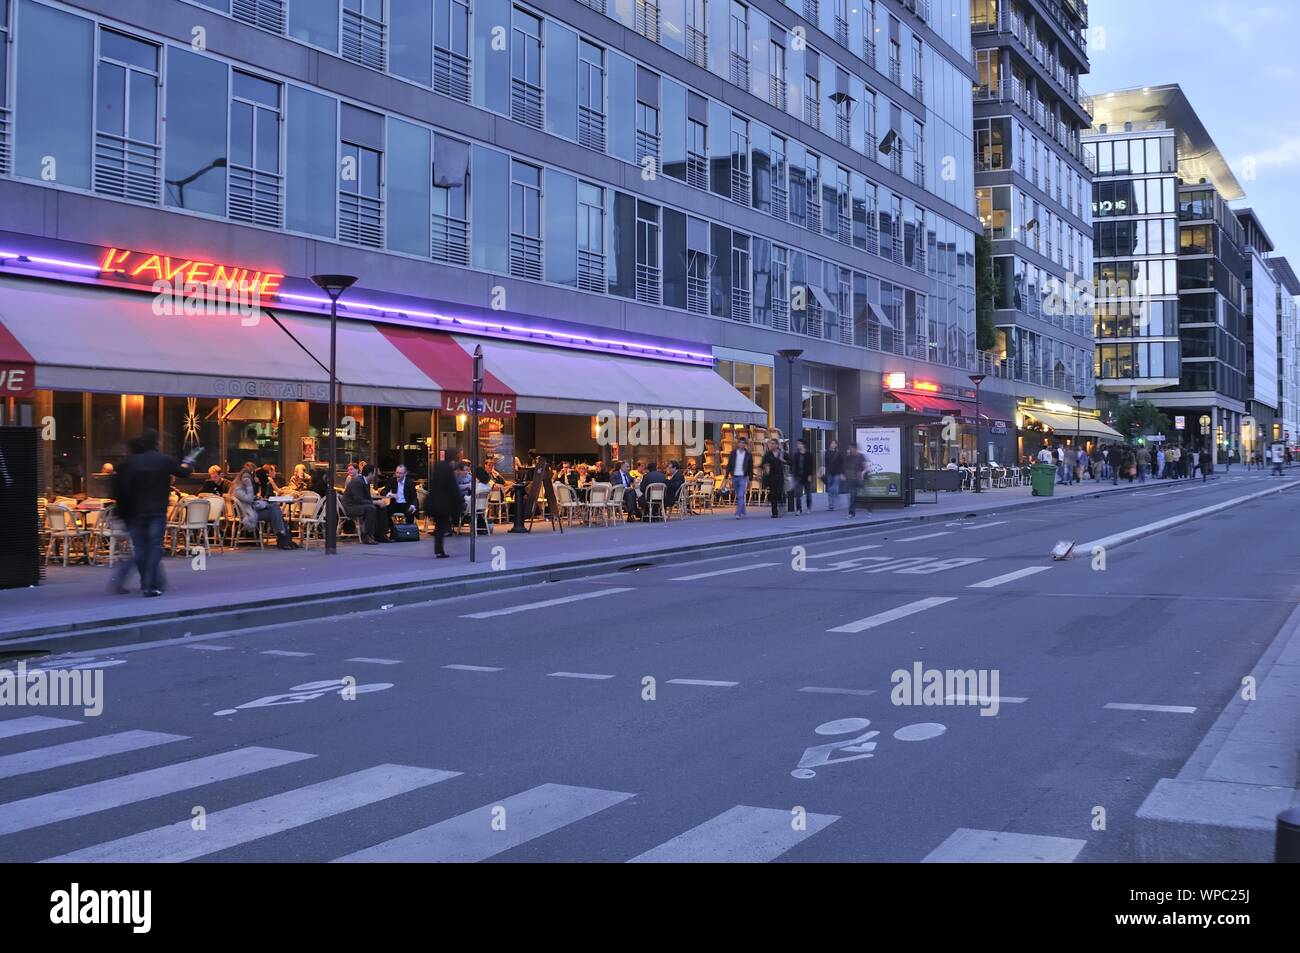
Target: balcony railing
x,y
873,240
365,41
647,20
647,146
597,5
697,294
450,240
841,31
697,47
845,231
697,171
124,168
6,143
525,256
814,208
591,129
896,72
591,271
451,74
740,186
812,316
869,51
361,219
873,144
648,287
843,129
918,87
776,92
256,197
812,111
267,14
525,103
780,311
780,203
739,70
811,11
741,305
918,173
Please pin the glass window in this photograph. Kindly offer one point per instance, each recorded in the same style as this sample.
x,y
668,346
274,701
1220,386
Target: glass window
x,y
127,97
311,154
411,44
409,160
562,80
450,200
622,107
561,228
55,52
315,22
491,210
196,132
491,71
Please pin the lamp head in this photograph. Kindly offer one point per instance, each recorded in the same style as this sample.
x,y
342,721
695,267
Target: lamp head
x,y
333,285
1080,398
977,379
790,353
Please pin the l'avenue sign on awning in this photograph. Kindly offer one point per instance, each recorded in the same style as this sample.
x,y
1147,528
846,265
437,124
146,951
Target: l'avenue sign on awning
x,y
490,405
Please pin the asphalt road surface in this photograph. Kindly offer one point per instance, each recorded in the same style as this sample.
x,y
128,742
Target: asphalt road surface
x,y
731,709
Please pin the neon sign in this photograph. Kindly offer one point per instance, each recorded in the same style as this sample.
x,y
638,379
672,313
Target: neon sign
x,y
216,276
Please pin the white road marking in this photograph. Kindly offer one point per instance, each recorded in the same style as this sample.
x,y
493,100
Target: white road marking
x,y
547,603
1008,577
211,648
742,834
56,806
721,572
820,690
917,539
86,749
376,661
473,668
473,836
13,727
1174,709
702,681
841,552
967,846
986,525
287,654
577,675
976,700
902,612
261,818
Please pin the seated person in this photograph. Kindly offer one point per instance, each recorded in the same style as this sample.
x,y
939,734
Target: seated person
x,y
584,476
674,483
254,510
601,473
464,479
358,505
402,498
216,482
652,476
300,482
952,464
267,485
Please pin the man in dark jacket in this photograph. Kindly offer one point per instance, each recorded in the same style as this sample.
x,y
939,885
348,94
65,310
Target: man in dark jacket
x,y
834,472
444,503
402,498
358,505
739,471
801,473
141,488
674,483
651,476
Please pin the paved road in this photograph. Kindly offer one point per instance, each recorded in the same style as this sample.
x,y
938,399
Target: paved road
x,y
519,727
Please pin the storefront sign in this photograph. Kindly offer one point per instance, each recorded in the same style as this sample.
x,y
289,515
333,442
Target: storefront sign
x,y
1180,423
16,380
308,450
999,427
882,447
892,407
490,405
249,389
143,268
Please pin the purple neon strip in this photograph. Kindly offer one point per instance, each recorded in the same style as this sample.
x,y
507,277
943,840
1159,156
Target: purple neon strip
x,y
49,261
489,325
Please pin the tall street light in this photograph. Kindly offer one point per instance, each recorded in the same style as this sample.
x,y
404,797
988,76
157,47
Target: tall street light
x,y
792,354
1078,399
977,379
334,286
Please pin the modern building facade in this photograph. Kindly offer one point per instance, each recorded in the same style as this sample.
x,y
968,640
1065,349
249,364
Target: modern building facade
x,y
1263,405
1288,353
1207,271
1034,194
607,196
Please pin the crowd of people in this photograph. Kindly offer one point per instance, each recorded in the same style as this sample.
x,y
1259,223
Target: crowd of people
x,y
1116,461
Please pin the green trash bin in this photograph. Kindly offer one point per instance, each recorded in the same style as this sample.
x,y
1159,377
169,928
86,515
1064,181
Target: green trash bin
x,y
1042,477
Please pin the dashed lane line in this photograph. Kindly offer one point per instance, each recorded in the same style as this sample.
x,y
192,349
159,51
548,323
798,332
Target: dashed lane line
x,y
1008,577
1171,709
902,612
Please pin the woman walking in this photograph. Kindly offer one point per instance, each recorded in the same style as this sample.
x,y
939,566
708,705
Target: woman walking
x,y
774,476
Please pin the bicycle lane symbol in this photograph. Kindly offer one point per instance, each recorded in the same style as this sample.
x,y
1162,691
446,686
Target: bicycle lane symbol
x,y
310,691
858,748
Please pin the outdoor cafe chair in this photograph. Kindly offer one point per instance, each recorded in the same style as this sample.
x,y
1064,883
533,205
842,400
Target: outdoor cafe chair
x,y
614,505
654,498
240,533
344,518
195,520
597,504
497,511
566,502
310,518
110,540
65,534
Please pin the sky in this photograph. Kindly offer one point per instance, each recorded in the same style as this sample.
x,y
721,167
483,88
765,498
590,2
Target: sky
x,y
1236,62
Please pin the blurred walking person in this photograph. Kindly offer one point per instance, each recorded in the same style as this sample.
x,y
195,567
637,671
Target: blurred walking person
x,y
141,487
834,465
855,473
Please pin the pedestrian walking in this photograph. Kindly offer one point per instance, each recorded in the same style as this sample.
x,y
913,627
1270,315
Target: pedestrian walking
x,y
774,476
444,502
1160,464
1071,462
834,465
142,488
801,471
855,473
740,470
1193,461
1143,458
1277,459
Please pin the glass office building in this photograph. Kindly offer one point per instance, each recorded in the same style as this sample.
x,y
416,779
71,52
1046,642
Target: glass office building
x,y
1033,188
693,177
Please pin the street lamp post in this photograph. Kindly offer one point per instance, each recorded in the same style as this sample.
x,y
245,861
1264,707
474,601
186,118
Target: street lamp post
x,y
473,456
1078,413
334,286
792,354
977,379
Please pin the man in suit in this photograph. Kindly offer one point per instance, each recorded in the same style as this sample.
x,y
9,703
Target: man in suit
x,y
358,505
621,477
402,498
740,470
651,476
674,483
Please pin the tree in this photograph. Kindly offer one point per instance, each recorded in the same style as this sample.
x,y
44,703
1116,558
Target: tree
x,y
1142,417
986,294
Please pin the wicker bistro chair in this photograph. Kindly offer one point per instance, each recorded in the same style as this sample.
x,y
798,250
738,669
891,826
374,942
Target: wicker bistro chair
x,y
567,503
614,505
701,497
597,505
497,511
110,540
239,533
65,534
193,518
345,519
654,500
310,519
216,516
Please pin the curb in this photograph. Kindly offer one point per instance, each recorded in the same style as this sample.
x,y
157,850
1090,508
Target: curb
x,y
1223,805
272,611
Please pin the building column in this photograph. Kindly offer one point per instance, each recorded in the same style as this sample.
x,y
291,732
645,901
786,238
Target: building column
x,y
1214,436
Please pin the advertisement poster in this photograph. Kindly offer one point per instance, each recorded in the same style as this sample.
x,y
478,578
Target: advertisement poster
x,y
882,447
308,449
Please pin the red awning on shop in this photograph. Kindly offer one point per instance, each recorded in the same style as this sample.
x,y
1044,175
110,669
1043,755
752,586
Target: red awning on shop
x,y
17,366
935,404
450,362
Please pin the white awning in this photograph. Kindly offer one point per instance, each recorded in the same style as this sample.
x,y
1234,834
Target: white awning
x,y
1065,424
83,338
562,381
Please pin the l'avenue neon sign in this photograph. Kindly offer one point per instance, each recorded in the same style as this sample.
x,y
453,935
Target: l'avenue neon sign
x,y
192,272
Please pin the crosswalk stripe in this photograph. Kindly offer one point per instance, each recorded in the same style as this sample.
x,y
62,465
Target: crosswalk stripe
x,y
261,818
25,726
87,749
287,653
115,792
917,539
820,690
1172,709
880,618
702,682
1008,577
742,834
967,846
591,675
721,572
375,661
841,552
547,603
473,836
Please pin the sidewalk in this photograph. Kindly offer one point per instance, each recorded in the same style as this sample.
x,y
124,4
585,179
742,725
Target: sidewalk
x,y
246,588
